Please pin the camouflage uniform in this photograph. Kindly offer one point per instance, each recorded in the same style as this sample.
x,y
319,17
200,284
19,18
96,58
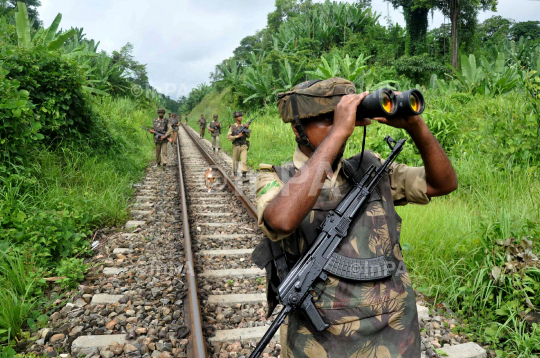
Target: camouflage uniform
x,y
240,147
202,124
174,121
163,126
216,127
367,318
185,118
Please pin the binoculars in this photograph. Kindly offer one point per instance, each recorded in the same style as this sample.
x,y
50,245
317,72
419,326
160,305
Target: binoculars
x,y
387,103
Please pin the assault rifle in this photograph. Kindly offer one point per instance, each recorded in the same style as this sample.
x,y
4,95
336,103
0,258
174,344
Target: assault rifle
x,y
159,134
244,129
294,291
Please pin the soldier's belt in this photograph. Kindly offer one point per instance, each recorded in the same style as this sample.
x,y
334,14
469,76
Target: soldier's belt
x,y
358,269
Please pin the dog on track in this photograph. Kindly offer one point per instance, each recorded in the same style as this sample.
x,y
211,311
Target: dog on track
x,y
209,179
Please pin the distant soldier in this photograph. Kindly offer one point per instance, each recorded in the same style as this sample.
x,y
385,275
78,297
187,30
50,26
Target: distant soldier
x,y
202,124
215,128
174,125
162,130
185,118
169,115
240,145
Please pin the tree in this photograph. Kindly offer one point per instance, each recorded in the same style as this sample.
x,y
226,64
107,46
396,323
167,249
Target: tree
x,y
286,9
526,29
9,7
133,70
416,17
495,29
453,10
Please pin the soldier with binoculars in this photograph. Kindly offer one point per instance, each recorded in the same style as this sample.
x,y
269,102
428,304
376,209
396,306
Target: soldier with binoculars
x,y
366,317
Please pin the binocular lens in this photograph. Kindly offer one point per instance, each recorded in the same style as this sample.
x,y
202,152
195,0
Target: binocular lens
x,y
387,103
415,102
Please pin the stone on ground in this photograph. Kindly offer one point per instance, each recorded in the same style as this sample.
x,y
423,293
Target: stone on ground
x,y
98,342
134,223
466,350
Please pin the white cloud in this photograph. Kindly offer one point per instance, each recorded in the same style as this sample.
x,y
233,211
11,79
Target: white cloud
x,y
181,41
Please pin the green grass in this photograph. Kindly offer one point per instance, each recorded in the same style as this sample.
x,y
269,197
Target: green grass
x,y
49,208
450,246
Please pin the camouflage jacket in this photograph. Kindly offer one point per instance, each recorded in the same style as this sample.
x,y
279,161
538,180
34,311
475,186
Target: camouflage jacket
x,y
233,135
162,126
367,318
201,122
216,126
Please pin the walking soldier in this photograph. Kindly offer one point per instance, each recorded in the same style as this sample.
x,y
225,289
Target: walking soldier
x,y
240,145
162,130
185,118
215,128
202,124
174,125
367,317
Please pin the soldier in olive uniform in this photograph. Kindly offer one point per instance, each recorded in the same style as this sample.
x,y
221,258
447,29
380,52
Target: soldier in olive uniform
x,y
185,118
240,145
367,317
202,124
174,121
161,128
215,128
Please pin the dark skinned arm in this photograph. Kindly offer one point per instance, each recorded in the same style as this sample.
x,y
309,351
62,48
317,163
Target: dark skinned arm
x,y
285,213
440,175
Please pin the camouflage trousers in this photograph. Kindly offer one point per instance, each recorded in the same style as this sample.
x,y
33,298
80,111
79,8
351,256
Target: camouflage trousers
x,y
203,130
393,334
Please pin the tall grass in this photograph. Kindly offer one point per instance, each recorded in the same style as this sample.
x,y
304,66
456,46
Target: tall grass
x,y
49,207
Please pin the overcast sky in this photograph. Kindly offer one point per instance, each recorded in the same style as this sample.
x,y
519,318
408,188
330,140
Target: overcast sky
x,y
181,41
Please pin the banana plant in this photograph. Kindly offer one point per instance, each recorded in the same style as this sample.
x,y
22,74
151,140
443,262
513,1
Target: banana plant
x,y
258,83
471,77
289,77
47,37
111,77
351,70
231,73
325,70
499,78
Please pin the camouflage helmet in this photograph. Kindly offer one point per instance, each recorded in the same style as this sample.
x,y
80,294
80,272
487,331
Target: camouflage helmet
x,y
238,114
161,110
313,98
215,116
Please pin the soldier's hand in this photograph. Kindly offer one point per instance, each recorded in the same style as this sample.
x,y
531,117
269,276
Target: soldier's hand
x,y
240,135
170,140
247,125
345,115
152,131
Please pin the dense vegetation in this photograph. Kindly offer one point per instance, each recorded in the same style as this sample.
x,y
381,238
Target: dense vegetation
x,y
70,149
475,251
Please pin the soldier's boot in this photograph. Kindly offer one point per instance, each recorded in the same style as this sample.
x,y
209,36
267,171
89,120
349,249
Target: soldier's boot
x,y
245,179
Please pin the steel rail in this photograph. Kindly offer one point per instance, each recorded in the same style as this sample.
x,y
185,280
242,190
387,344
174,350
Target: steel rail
x,y
197,341
252,210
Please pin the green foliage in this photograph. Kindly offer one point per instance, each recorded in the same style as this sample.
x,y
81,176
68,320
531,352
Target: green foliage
x,y
72,272
418,68
50,85
46,37
18,123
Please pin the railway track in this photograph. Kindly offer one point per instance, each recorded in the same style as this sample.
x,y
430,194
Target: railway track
x,y
227,303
